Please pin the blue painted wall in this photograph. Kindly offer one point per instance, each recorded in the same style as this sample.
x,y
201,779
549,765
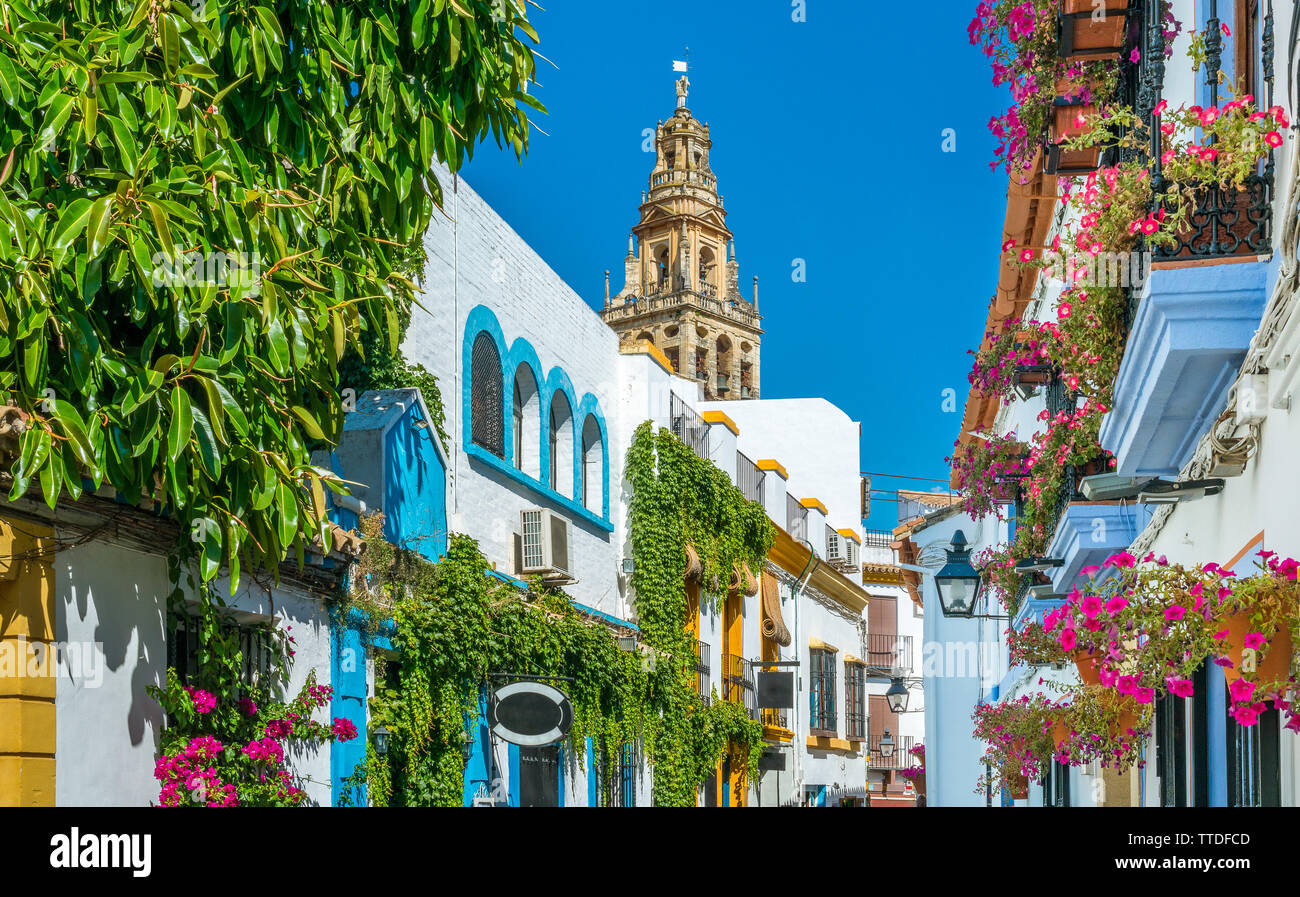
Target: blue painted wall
x,y
415,510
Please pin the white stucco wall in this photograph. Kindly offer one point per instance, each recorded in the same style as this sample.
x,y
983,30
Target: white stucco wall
x,y
816,442
476,259
115,599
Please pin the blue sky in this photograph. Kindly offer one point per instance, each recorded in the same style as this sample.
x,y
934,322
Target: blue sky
x,y
828,139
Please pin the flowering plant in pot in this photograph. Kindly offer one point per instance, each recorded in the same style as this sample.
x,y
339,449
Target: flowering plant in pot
x,y
1257,626
984,471
1034,646
1020,39
1101,725
916,772
1008,352
1154,624
1018,734
997,568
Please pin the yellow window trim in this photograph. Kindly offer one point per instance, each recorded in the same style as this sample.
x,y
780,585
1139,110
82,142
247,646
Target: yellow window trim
x,y
816,644
849,534
849,658
772,464
823,743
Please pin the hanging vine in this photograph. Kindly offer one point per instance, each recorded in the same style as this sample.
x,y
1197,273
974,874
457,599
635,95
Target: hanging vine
x,y
456,623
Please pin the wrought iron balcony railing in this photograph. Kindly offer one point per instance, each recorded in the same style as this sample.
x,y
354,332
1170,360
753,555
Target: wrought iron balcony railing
x,y
900,759
889,654
702,683
1224,223
738,683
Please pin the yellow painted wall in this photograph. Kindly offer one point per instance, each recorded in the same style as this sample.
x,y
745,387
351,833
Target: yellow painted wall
x,y
26,631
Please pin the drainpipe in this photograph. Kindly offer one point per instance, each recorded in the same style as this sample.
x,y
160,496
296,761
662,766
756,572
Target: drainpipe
x,y
798,590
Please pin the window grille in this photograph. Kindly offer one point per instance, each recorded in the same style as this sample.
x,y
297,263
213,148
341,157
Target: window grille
x,y
821,694
855,700
487,421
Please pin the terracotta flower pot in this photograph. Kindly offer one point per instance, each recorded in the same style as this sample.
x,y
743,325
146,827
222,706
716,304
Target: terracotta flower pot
x,y
1088,672
1273,662
1084,34
1060,733
1019,787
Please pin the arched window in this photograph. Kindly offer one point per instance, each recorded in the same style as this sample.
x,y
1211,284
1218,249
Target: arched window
x,y
487,415
593,484
527,418
561,445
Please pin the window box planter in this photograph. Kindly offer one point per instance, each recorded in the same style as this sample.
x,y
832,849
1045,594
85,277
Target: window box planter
x,y
1061,161
1018,785
1083,36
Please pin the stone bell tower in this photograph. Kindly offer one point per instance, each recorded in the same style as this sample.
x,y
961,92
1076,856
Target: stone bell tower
x,y
681,281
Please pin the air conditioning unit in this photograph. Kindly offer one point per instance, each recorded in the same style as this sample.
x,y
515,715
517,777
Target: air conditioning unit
x,y
841,551
544,544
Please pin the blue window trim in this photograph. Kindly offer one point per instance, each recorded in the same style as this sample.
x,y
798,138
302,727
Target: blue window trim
x,y
481,319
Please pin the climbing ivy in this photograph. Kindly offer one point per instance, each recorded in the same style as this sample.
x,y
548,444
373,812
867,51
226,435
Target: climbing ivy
x,y
457,623
677,499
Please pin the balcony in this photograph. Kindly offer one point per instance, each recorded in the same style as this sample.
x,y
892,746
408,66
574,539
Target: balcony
x,y
889,654
738,683
1189,336
1088,533
703,685
901,759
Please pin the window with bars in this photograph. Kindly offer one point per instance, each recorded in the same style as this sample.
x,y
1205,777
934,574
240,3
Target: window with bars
x,y
487,420
821,692
255,648
855,700
616,777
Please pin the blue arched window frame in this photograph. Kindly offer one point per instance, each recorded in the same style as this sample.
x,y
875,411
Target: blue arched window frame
x,y
481,319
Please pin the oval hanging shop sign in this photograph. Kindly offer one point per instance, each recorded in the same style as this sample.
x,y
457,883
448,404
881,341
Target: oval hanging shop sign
x,y
530,714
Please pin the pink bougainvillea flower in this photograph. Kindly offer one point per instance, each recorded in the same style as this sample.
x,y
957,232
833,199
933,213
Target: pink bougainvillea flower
x,y
1160,108
1126,685
1008,244
1175,613
1122,559
1255,640
1063,310
1273,138
1209,116
1144,695
1026,255
1180,688
1241,691
1116,604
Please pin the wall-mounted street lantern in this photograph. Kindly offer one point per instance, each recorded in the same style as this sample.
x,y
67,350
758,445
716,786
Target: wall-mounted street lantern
x,y
466,747
381,741
887,745
897,696
958,582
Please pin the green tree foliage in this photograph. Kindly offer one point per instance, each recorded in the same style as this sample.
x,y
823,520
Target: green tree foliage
x,y
293,137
